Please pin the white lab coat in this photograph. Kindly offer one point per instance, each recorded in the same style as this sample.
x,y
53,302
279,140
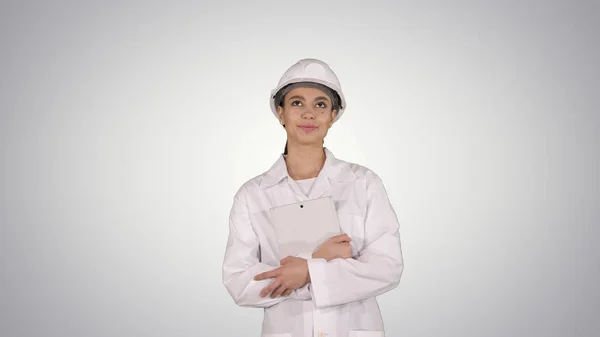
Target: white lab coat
x,y
340,300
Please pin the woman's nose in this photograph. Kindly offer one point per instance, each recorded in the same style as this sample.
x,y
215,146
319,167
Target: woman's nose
x,y
308,113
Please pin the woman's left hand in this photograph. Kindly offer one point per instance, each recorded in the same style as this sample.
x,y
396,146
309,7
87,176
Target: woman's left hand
x,y
292,274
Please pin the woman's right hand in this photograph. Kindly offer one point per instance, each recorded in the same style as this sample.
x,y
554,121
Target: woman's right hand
x,y
336,247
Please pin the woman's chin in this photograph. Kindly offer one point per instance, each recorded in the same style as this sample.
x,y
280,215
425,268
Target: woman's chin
x,y
310,141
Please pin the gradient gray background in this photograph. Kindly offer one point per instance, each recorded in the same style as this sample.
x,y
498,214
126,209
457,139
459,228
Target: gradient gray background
x,y
127,127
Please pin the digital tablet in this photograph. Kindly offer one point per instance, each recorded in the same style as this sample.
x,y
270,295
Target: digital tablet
x,y
301,227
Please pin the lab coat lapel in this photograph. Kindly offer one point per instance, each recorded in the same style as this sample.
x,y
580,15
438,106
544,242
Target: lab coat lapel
x,y
321,185
275,174
329,172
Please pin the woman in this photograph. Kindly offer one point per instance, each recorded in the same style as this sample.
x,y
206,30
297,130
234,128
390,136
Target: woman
x,y
331,291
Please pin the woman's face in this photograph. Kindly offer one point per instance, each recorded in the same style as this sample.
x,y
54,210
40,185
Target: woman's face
x,y
307,115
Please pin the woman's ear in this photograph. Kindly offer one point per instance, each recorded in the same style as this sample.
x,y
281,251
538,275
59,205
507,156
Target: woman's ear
x,y
333,115
280,115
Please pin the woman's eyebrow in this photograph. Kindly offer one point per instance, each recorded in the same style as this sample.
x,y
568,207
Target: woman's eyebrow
x,y
321,98
316,98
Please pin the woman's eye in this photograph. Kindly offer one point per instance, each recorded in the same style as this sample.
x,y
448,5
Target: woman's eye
x,y
321,105
296,103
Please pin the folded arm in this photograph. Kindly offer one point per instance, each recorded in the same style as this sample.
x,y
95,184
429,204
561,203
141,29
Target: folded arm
x,y
242,263
377,268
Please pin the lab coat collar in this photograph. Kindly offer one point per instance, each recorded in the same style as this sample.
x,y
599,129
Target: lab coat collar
x,y
333,169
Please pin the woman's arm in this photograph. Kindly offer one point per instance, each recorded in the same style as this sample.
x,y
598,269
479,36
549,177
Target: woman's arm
x,y
242,262
377,268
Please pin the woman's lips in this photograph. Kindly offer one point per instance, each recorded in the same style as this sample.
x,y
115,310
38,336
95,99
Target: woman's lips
x,y
308,128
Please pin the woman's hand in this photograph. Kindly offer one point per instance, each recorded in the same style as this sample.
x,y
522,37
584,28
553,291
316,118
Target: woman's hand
x,y
292,274
336,247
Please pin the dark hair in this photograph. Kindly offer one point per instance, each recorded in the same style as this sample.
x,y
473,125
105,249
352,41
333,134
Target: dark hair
x,y
335,98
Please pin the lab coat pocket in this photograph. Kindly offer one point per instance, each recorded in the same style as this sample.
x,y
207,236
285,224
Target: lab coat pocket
x,y
353,225
364,333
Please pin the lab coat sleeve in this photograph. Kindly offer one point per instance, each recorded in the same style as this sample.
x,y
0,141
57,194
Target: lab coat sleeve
x,y
242,262
303,293
375,270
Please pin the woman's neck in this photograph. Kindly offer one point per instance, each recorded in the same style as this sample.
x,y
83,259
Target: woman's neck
x,y
304,162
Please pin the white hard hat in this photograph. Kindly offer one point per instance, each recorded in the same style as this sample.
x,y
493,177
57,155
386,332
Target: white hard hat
x,y
310,70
